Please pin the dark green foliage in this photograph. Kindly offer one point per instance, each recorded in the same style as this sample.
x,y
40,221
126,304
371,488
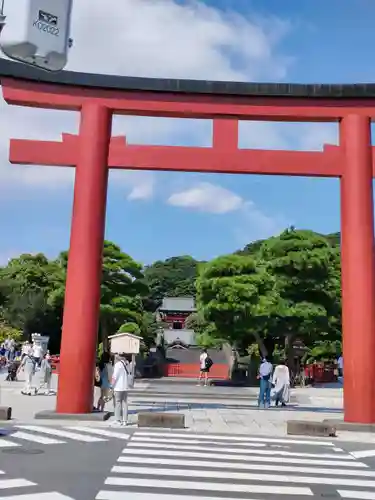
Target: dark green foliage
x,y
270,292
173,277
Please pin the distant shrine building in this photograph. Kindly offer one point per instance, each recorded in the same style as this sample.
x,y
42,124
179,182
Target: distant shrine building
x,y
173,314
182,351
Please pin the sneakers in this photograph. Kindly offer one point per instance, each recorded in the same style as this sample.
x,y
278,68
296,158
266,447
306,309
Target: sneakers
x,y
119,423
116,423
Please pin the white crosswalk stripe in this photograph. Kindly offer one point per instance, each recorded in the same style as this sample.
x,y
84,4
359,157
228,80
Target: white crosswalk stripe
x,y
49,495
35,438
160,465
224,438
22,489
46,435
101,432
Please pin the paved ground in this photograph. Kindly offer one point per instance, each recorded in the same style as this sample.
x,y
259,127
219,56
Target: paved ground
x,y
179,465
206,409
232,450
74,469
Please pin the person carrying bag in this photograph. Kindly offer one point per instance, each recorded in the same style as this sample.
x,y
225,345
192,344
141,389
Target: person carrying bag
x,y
122,382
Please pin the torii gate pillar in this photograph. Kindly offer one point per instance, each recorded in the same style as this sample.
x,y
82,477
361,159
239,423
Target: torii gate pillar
x,y
82,296
358,271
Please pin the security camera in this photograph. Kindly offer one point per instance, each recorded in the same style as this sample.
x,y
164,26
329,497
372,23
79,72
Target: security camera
x,y
37,32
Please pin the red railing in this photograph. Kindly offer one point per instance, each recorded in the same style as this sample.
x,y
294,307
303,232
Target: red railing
x,y
192,371
321,373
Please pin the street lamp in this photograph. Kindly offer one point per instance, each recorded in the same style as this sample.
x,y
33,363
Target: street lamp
x,y
36,32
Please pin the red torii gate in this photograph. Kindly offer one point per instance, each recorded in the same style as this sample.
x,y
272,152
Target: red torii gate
x,y
97,97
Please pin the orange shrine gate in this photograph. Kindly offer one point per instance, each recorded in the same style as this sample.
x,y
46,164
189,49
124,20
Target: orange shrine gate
x,y
93,151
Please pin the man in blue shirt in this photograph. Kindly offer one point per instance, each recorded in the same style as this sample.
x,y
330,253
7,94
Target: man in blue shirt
x,y
264,375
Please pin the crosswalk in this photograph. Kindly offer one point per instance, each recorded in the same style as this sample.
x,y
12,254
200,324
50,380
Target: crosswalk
x,y
23,489
170,465
46,435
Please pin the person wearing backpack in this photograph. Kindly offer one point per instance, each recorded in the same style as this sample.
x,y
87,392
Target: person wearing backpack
x,y
122,381
205,362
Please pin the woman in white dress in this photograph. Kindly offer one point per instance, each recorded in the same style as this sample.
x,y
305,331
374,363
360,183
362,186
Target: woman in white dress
x,y
281,384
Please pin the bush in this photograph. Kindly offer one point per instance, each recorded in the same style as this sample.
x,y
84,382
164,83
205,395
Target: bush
x,y
8,332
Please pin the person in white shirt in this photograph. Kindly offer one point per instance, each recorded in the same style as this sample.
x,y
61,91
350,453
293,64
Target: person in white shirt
x,y
122,381
25,349
37,354
204,370
264,375
45,374
28,366
281,384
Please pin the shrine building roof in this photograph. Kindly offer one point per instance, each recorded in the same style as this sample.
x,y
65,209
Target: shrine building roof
x,y
181,304
11,69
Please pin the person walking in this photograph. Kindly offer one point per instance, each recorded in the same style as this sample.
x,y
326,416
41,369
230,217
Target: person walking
x,y
45,374
105,371
340,365
28,366
281,384
264,376
205,363
122,381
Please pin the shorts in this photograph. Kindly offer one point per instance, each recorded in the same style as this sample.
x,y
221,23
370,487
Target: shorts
x,y
205,370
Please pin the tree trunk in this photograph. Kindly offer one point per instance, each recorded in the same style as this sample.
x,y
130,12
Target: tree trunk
x,y
262,347
289,339
104,336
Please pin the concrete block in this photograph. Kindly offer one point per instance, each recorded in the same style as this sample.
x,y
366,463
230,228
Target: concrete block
x,y
166,420
310,428
5,413
95,416
350,426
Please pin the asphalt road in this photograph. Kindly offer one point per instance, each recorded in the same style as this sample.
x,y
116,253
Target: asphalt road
x,y
118,464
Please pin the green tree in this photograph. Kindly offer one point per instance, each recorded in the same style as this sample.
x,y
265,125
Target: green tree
x,y
236,294
149,328
26,283
205,332
9,332
174,277
130,327
306,270
122,290
251,248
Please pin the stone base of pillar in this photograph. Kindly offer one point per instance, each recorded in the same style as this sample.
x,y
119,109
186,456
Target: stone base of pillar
x,y
95,416
5,413
341,425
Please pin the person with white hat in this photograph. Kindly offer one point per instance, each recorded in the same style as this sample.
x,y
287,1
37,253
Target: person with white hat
x,y
28,366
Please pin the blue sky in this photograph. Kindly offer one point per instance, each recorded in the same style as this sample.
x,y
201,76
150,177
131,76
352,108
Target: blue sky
x,y
158,216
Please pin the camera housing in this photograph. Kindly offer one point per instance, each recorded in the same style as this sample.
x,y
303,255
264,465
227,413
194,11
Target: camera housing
x,y
37,32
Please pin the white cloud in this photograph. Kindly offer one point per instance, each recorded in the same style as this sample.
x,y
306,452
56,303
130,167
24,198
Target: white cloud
x,y
157,38
163,38
251,222
138,185
207,197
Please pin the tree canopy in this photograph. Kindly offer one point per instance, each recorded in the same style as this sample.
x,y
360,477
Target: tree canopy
x,y
173,277
270,292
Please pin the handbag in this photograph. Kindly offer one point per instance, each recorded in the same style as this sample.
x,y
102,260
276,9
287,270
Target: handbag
x,y
130,376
